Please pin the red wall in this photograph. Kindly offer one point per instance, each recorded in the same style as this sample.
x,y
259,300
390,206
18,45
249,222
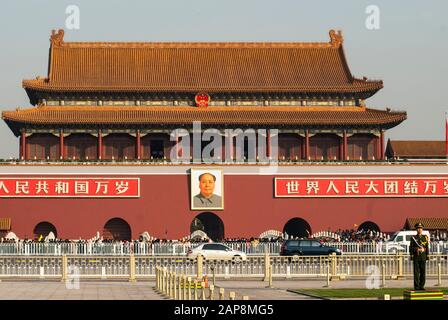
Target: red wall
x,y
250,209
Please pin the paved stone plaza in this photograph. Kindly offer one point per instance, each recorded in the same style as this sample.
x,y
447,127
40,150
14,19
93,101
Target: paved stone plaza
x,y
55,290
143,290
89,290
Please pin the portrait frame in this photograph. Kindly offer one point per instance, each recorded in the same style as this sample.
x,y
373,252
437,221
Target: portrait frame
x,y
195,191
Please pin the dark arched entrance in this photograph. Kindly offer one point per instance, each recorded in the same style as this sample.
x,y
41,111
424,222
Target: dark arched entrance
x,y
43,229
297,227
369,226
117,229
210,223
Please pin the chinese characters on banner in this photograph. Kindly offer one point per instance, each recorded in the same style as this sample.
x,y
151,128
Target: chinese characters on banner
x,y
69,187
387,187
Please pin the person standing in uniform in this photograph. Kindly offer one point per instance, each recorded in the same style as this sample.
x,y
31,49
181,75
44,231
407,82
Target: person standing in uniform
x,y
419,250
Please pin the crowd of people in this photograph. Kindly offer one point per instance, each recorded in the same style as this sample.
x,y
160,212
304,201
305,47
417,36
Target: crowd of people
x,y
340,235
352,235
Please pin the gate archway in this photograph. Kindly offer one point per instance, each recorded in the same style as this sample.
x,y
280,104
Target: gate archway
x,y
210,223
297,227
369,226
43,229
117,229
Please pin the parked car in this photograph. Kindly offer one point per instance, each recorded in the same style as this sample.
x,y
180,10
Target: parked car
x,y
216,251
307,248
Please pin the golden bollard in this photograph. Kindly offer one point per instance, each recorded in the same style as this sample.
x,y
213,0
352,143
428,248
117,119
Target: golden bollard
x,y
232,295
213,272
189,288
175,286
195,289
160,279
166,282
199,267
157,279
203,290
269,276
161,282
180,287
211,288
267,263
184,279
221,293
171,285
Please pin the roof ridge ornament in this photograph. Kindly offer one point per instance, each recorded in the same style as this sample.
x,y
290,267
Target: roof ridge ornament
x,y
336,38
57,38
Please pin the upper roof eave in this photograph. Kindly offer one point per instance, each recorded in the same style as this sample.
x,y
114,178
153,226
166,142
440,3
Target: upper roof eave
x,y
293,67
42,85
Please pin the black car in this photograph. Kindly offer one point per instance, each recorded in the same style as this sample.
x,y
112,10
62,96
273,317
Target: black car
x,y
307,248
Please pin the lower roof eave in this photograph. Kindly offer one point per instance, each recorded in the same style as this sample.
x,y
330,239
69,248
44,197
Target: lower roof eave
x,y
18,127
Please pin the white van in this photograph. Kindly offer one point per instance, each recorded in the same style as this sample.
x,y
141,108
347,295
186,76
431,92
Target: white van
x,y
401,240
404,237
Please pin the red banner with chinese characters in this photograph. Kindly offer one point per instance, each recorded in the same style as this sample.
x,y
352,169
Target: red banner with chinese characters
x,y
69,187
386,187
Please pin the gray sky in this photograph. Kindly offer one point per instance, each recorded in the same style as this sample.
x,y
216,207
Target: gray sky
x,y
409,52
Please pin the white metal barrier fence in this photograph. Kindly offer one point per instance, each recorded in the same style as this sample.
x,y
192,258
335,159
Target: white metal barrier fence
x,y
181,249
124,248
144,267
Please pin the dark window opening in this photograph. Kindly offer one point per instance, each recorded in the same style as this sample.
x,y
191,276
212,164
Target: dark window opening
x,y
157,149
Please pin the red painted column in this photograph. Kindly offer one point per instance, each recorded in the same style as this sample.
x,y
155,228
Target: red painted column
x,y
230,141
381,157
268,143
378,147
23,146
307,144
302,149
341,148
138,151
100,145
178,149
61,145
223,148
345,146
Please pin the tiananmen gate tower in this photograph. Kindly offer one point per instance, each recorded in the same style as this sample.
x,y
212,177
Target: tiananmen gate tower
x,y
96,147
